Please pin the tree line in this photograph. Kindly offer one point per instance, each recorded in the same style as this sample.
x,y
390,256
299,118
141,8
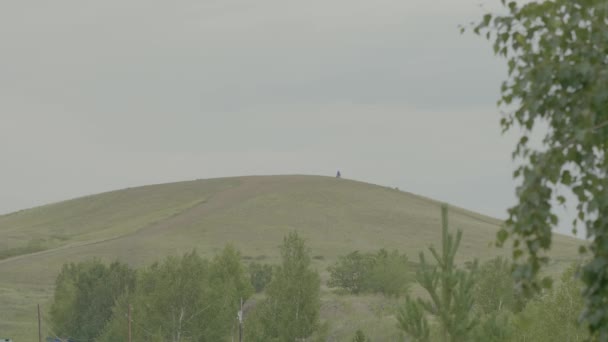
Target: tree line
x,y
190,298
187,298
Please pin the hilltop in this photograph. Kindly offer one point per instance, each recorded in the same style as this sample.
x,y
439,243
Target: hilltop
x,y
144,224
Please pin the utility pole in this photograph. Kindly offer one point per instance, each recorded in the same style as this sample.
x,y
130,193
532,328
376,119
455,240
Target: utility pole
x,y
129,322
39,326
241,322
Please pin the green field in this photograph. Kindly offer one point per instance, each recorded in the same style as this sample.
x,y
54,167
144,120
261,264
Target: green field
x,y
144,224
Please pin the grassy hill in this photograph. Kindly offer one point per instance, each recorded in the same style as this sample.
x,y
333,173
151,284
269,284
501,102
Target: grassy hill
x,y
144,224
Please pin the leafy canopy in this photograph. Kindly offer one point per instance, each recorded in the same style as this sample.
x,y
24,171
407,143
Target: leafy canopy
x,y
185,298
291,309
85,293
556,54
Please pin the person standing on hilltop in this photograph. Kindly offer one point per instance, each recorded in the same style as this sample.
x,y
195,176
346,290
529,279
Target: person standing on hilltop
x,y
338,175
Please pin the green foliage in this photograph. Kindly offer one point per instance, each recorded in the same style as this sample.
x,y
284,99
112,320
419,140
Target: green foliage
x,y
412,320
321,333
255,323
389,274
556,56
350,271
84,296
496,326
360,337
495,289
554,315
184,299
450,290
291,309
384,272
228,276
260,275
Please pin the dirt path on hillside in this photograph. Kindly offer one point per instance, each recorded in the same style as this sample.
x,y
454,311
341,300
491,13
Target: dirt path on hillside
x,y
60,248
249,187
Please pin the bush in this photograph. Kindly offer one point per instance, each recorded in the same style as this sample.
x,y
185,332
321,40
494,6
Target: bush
x,y
360,337
384,272
554,315
350,272
389,274
494,327
495,288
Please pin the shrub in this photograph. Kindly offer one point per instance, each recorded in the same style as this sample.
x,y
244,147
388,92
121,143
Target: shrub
x,y
384,272
360,337
389,274
554,315
350,272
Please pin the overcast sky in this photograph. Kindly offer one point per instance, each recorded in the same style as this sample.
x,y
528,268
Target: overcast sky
x,y
102,95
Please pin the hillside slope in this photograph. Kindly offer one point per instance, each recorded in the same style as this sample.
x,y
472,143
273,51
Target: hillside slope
x,y
141,225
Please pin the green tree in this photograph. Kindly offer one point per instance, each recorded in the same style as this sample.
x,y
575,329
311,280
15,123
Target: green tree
x,y
170,301
184,298
291,310
450,290
84,296
229,283
255,324
556,56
